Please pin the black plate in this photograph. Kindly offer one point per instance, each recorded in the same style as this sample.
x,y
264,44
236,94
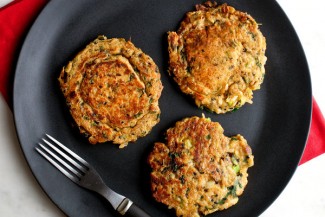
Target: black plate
x,y
276,125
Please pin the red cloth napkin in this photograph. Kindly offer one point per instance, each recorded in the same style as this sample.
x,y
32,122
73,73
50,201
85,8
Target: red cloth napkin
x,y
16,19
316,140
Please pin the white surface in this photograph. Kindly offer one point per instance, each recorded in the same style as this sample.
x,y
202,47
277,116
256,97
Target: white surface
x,y
308,19
20,195
305,194
4,2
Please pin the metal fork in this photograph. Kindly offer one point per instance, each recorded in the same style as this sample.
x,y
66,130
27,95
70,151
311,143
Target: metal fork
x,y
82,173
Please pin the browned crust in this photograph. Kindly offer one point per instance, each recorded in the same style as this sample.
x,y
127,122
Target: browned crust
x,y
199,170
112,89
217,56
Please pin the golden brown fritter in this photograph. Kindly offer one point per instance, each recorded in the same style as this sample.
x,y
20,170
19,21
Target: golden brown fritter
x,y
199,170
217,56
112,89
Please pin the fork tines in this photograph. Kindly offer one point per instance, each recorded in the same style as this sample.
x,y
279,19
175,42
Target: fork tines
x,y
65,160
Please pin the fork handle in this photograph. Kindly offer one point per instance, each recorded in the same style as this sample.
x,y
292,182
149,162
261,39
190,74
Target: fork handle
x,y
129,209
135,211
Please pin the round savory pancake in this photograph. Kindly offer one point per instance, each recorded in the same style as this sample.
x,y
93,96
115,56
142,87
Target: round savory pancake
x,y
199,170
217,56
112,89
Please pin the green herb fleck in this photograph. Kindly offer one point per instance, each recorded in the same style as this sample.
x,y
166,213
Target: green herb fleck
x,y
183,55
101,37
136,70
234,160
235,109
236,168
246,159
252,35
132,76
258,63
149,84
232,190
95,123
233,139
187,191
173,154
141,91
182,178
137,114
104,135
223,200
173,165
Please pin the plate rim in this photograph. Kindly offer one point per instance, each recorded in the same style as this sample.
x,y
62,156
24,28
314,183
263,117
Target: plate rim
x,y
18,62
